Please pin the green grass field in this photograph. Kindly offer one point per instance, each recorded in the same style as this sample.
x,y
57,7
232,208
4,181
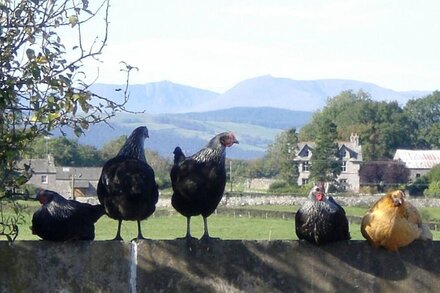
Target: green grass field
x,y
223,226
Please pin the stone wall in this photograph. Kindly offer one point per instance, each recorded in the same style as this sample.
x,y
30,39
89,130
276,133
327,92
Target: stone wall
x,y
221,266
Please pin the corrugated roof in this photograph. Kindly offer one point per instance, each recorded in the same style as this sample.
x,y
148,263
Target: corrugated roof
x,y
418,159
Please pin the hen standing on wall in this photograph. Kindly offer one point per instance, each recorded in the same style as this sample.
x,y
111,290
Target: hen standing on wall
x,y
321,220
127,187
392,222
59,219
199,180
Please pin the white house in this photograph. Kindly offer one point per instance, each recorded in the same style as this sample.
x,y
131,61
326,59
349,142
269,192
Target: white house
x,y
419,162
350,155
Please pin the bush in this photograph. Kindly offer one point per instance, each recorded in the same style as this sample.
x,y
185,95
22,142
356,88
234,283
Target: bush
x,y
280,187
433,189
368,190
418,187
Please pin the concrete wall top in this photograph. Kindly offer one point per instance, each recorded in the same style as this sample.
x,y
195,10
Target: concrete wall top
x,y
221,266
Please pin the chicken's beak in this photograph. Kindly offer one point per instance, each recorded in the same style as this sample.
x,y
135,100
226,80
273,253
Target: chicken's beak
x,y
235,141
397,201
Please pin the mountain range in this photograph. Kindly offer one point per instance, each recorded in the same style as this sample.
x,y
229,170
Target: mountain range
x,y
255,109
263,91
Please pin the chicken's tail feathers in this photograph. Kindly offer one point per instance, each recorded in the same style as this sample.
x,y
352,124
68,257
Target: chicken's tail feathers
x,y
179,156
97,212
426,234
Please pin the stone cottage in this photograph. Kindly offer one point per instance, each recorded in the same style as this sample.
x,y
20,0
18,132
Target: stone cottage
x,y
349,154
70,182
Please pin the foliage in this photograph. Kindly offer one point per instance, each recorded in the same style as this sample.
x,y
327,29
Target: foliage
x,y
425,115
434,174
382,126
42,85
263,168
325,165
418,186
281,155
426,184
433,189
383,174
161,167
10,222
66,152
283,187
111,149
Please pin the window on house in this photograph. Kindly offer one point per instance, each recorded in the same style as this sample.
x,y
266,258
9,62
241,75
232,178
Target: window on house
x,y
343,183
44,179
343,154
305,166
418,175
305,181
344,166
306,153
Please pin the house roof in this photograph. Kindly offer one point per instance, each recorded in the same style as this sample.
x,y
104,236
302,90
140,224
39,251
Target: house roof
x,y
418,159
352,147
82,173
40,165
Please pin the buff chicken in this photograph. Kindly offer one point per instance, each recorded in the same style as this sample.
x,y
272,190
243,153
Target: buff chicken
x,y
393,222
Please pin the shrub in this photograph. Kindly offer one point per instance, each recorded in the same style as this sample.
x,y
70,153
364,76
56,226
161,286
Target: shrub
x,y
280,187
433,189
418,187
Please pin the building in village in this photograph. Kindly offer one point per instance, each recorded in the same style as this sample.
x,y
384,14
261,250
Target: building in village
x,y
350,155
419,162
71,182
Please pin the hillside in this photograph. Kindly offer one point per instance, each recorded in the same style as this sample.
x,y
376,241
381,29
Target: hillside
x,y
255,128
158,97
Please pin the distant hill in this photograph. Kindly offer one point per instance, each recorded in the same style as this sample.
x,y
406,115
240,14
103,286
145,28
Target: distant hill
x,y
263,91
255,128
159,97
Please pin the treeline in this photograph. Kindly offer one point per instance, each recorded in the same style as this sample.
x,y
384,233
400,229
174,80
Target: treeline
x,y
382,127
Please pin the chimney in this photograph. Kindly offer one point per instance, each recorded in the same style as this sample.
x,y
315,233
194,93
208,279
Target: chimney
x,y
354,139
50,160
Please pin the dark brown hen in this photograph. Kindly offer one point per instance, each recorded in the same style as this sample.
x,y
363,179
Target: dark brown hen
x,y
60,219
199,181
127,187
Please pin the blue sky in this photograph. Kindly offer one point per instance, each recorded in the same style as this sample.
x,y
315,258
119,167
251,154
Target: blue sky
x,y
216,44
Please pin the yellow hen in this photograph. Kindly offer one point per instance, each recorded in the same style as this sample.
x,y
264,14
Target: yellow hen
x,y
392,222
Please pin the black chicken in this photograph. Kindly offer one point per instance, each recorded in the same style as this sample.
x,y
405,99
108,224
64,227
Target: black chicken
x,y
321,220
60,219
199,180
127,187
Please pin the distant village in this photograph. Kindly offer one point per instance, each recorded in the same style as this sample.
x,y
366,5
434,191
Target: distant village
x,y
77,182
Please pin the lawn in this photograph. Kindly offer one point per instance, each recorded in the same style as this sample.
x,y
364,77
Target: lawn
x,y
172,225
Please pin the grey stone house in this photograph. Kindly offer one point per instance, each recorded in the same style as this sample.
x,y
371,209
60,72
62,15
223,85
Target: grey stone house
x,y
349,154
70,182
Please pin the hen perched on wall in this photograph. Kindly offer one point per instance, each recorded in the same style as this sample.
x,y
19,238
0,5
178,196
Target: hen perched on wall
x,y
392,222
127,187
321,220
60,219
199,180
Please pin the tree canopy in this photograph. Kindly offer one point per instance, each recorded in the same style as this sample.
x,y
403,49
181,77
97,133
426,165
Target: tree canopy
x,y
43,86
325,166
382,126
